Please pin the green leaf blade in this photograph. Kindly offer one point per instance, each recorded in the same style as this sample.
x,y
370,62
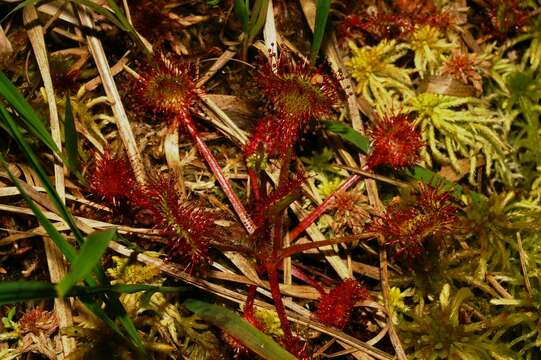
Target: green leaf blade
x,y
30,118
65,247
70,138
18,291
241,10
323,8
233,324
89,257
40,172
349,134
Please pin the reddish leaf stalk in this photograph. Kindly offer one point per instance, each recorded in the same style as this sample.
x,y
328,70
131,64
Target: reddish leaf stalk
x,y
324,206
279,218
278,303
217,171
254,184
167,87
301,275
250,298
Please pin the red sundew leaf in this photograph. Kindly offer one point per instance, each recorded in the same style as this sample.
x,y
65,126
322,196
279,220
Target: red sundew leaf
x,y
433,215
167,86
298,91
189,226
335,307
269,140
395,143
112,179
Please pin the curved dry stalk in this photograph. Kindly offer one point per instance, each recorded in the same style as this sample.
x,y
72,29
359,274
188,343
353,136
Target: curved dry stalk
x,y
218,64
172,156
55,260
122,121
5,44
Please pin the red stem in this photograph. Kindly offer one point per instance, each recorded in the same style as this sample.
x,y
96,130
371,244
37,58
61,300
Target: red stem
x,y
219,174
250,298
299,274
254,182
278,303
324,206
278,218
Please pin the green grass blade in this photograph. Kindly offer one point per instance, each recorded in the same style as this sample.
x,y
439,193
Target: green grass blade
x,y
40,172
117,310
70,138
21,5
323,8
433,179
119,13
66,248
87,260
349,134
229,321
103,11
112,302
257,19
29,117
242,12
17,291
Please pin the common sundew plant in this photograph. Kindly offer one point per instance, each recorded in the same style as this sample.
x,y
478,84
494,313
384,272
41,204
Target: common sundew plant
x,y
270,179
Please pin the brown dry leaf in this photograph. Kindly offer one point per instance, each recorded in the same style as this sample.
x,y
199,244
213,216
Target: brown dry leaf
x,y
236,108
5,45
449,173
446,85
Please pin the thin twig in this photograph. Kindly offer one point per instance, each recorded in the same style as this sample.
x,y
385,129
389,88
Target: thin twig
x,y
122,121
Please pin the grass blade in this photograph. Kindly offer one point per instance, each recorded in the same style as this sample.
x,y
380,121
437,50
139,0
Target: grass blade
x,y
30,118
242,12
103,11
17,291
229,321
433,179
113,304
66,248
21,5
70,137
42,175
257,19
89,256
323,8
349,134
